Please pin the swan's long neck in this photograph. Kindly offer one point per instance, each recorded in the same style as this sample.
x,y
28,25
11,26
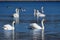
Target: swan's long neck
x,y
13,23
34,12
42,9
17,10
42,23
37,14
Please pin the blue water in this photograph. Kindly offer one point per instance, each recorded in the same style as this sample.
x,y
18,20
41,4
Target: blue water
x,y
22,31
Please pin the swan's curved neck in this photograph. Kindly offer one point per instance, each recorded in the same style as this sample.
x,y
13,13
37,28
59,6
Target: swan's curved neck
x,y
42,23
13,23
17,10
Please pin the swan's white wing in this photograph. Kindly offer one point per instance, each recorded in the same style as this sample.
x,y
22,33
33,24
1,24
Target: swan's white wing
x,y
42,15
36,26
7,27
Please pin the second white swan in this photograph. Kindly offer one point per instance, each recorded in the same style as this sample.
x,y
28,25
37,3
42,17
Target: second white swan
x,y
9,27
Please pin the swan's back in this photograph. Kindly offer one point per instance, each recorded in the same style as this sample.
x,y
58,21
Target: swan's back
x,y
36,26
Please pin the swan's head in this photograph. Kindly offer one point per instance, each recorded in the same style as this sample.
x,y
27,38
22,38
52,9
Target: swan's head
x,y
13,21
43,19
17,10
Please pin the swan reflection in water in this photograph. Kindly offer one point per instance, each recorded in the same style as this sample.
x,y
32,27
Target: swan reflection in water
x,y
9,35
37,34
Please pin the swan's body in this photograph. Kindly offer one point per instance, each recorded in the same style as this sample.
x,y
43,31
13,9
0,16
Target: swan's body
x,y
39,14
36,26
9,27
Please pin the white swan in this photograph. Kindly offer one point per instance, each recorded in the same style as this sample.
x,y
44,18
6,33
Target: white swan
x,y
39,14
36,26
9,27
16,15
